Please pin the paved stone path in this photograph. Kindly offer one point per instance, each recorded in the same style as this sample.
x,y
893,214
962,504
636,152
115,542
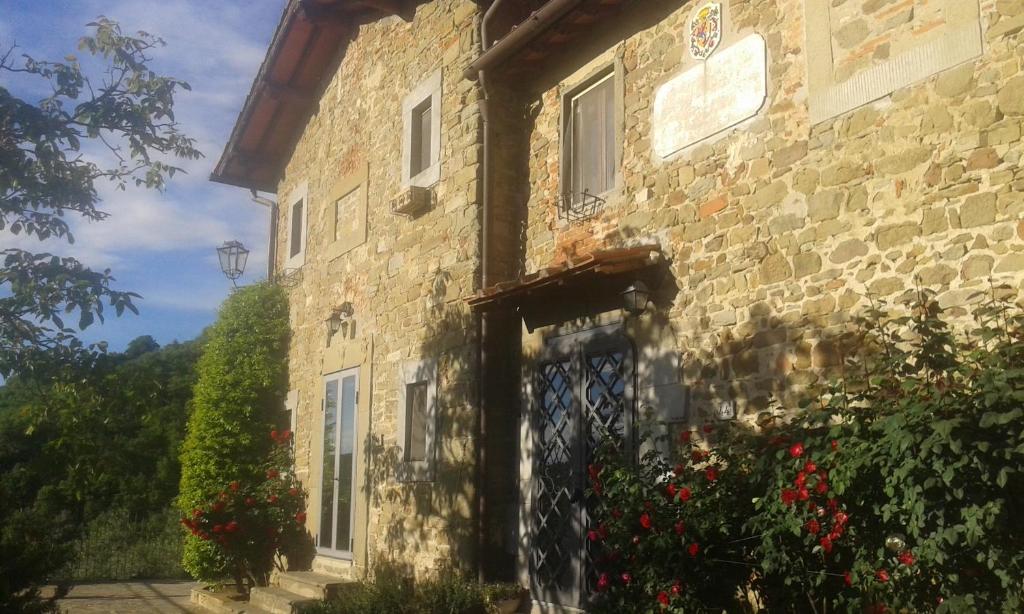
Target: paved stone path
x,y
139,597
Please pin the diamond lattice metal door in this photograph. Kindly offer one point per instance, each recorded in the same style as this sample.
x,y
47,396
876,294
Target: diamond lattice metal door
x,y
583,399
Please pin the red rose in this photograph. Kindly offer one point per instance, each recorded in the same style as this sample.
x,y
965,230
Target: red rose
x,y
847,579
272,473
663,598
680,528
802,494
597,488
841,518
218,507
670,490
684,494
907,558
218,528
709,428
593,471
293,491
233,486
231,527
286,435
833,504
810,467
826,544
300,517
882,575
602,530
698,455
197,514
676,588
821,488
788,496
679,469
711,474
272,499
800,480
250,501
693,549
796,450
813,526
602,582
645,520
835,445
593,536
273,434
627,578
685,436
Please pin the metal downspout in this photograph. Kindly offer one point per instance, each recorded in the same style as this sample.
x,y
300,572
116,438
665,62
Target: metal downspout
x,y
485,277
272,239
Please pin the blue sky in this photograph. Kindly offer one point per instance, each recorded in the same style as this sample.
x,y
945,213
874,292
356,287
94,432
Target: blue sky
x,y
162,245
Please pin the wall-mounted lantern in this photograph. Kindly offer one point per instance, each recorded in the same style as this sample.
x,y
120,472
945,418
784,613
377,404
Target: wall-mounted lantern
x,y
341,315
232,256
635,298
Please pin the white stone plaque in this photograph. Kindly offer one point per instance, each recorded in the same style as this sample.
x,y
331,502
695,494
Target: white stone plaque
x,y
710,97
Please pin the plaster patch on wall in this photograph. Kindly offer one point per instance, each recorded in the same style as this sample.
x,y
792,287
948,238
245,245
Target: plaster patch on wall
x,y
710,97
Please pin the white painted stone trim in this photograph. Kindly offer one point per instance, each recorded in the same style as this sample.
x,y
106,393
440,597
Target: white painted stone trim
x,y
301,192
430,88
413,372
961,40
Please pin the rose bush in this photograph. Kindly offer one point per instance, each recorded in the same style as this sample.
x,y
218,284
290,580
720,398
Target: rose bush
x,y
252,525
897,488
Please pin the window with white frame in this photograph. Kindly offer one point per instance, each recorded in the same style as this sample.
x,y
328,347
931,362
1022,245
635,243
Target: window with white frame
x,y
298,212
421,134
590,158
417,419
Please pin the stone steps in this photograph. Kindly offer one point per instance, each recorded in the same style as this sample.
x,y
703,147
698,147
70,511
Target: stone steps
x,y
289,593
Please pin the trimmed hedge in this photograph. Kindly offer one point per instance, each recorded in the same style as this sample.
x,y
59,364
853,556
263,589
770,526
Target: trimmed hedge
x,y
242,380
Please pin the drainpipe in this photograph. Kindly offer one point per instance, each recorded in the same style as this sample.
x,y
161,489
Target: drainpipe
x,y
485,279
272,242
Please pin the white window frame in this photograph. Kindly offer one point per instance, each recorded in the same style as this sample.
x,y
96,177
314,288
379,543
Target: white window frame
x,y
414,372
299,193
430,89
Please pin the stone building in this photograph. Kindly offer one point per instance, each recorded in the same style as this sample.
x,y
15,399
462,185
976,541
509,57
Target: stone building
x,y
476,201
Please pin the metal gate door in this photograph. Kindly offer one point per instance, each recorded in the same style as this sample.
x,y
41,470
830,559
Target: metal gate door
x,y
583,397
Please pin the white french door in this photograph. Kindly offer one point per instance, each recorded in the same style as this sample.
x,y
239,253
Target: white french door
x,y
338,465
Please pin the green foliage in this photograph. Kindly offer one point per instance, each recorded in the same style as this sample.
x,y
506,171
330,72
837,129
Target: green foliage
x,y
391,591
897,487
127,112
254,525
242,377
116,546
75,447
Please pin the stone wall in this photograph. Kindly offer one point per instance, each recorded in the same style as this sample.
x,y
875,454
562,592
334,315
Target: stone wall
x,y
779,229
406,281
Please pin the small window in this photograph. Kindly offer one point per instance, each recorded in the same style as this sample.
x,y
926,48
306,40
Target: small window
x,y
416,421
296,237
591,139
417,417
296,208
421,139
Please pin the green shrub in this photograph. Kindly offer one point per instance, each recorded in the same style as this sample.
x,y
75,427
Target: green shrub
x,y
242,376
896,489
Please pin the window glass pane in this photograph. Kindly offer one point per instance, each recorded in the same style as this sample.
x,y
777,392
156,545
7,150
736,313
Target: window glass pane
x,y
327,479
592,146
420,139
416,421
346,460
295,245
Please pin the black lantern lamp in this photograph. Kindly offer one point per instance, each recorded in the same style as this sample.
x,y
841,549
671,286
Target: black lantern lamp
x,y
635,298
340,315
232,257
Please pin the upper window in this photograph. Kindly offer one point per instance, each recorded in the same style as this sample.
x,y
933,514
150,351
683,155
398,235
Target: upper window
x,y
421,138
417,418
298,212
591,138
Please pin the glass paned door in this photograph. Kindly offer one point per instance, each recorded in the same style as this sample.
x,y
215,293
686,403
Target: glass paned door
x,y
337,487
583,399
